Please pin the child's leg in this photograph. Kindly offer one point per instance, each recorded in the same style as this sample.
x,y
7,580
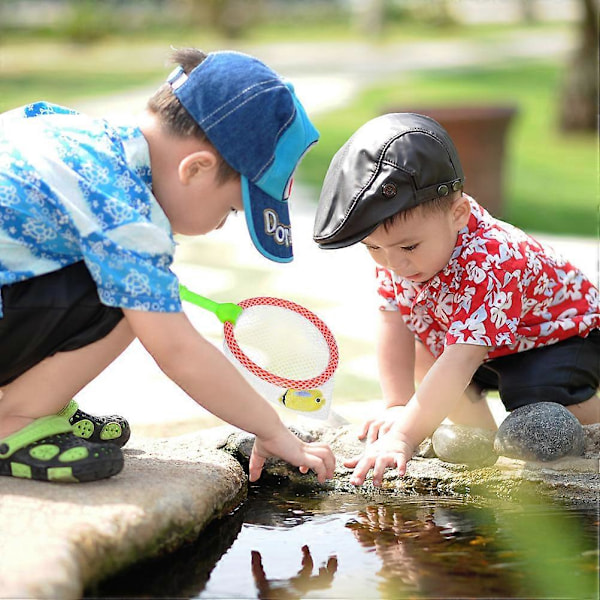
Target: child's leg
x,y
587,412
567,373
472,408
49,385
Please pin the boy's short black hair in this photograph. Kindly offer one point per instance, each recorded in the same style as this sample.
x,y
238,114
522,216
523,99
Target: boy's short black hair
x,y
441,204
174,117
393,163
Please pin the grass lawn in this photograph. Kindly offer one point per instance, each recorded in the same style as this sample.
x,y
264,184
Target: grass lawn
x,y
62,72
551,178
48,65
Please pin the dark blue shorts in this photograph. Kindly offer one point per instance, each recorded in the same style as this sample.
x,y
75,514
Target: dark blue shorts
x,y
567,372
56,312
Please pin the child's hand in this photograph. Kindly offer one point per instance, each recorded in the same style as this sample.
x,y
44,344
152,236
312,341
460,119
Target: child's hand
x,y
380,425
388,451
285,445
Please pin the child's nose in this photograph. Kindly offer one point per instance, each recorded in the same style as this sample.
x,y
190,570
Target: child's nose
x,y
398,261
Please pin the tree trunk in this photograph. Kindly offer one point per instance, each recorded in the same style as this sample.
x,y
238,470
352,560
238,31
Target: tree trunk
x,y
579,101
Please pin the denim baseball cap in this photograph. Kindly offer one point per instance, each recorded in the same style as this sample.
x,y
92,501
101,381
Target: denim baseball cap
x,y
255,121
391,164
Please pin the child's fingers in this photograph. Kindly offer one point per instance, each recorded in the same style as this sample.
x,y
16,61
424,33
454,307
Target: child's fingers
x,y
329,459
322,451
351,462
385,461
365,429
381,464
374,431
385,428
255,466
363,466
320,459
401,461
318,467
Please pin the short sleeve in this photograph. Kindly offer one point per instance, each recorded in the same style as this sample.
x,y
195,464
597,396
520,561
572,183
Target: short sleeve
x,y
130,274
122,232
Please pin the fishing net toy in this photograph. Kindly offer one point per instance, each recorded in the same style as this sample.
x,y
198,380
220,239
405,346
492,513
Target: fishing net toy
x,y
283,350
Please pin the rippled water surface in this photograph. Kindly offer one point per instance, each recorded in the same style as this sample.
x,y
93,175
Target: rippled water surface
x,y
284,545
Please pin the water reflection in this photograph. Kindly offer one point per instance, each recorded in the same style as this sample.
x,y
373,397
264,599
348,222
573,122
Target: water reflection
x,y
294,587
285,545
434,552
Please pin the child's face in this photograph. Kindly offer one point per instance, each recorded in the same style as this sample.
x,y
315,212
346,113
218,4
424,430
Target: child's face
x,y
210,203
200,204
420,246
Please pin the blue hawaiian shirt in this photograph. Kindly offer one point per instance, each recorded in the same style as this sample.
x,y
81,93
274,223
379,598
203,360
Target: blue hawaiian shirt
x,y
74,188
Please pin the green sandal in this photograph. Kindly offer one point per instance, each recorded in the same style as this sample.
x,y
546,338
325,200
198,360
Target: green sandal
x,y
112,429
47,450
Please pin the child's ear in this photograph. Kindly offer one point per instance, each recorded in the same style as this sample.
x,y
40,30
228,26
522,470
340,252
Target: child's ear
x,y
197,163
461,212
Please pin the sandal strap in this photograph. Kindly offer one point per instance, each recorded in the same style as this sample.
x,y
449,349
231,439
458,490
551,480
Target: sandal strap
x,y
38,430
69,410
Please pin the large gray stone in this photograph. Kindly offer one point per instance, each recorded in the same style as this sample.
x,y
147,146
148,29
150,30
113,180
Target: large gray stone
x,y
461,444
544,431
56,538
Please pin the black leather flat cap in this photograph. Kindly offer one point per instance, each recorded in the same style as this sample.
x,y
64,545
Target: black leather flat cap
x,y
392,163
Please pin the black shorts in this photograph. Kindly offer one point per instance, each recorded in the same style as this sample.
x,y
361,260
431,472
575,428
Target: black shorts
x,y
567,372
56,312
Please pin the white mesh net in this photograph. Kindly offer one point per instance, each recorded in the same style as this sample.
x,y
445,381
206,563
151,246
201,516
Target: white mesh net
x,y
286,353
282,342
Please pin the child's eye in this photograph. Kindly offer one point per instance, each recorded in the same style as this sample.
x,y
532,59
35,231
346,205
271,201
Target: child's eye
x,y
409,248
372,248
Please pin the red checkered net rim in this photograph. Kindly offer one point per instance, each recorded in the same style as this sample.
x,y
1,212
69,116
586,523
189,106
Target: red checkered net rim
x,y
301,384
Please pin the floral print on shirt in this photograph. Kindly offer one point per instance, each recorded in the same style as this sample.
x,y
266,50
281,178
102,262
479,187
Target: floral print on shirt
x,y
74,188
501,289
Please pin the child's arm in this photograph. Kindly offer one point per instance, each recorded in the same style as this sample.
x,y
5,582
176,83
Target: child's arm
x,y
437,395
396,360
211,380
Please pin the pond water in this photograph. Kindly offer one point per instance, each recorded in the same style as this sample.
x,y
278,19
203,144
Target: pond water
x,y
283,544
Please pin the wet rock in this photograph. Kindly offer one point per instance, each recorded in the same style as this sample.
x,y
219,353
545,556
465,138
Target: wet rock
x,y
592,439
544,431
461,444
573,479
425,449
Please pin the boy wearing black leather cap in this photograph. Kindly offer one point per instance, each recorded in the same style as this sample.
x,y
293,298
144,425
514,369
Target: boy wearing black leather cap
x,y
488,306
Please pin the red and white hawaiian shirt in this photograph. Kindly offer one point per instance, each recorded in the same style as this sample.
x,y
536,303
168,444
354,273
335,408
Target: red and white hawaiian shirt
x,y
501,288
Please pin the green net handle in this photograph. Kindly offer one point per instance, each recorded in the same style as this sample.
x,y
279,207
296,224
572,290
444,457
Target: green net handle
x,y
225,311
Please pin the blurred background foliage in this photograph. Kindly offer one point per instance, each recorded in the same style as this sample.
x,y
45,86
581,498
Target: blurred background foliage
x,y
66,50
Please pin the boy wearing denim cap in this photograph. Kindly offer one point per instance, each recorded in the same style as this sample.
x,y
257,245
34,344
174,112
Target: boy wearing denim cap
x,y
88,210
468,302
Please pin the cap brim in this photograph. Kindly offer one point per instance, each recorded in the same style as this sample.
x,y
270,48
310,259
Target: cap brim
x,y
336,243
268,222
